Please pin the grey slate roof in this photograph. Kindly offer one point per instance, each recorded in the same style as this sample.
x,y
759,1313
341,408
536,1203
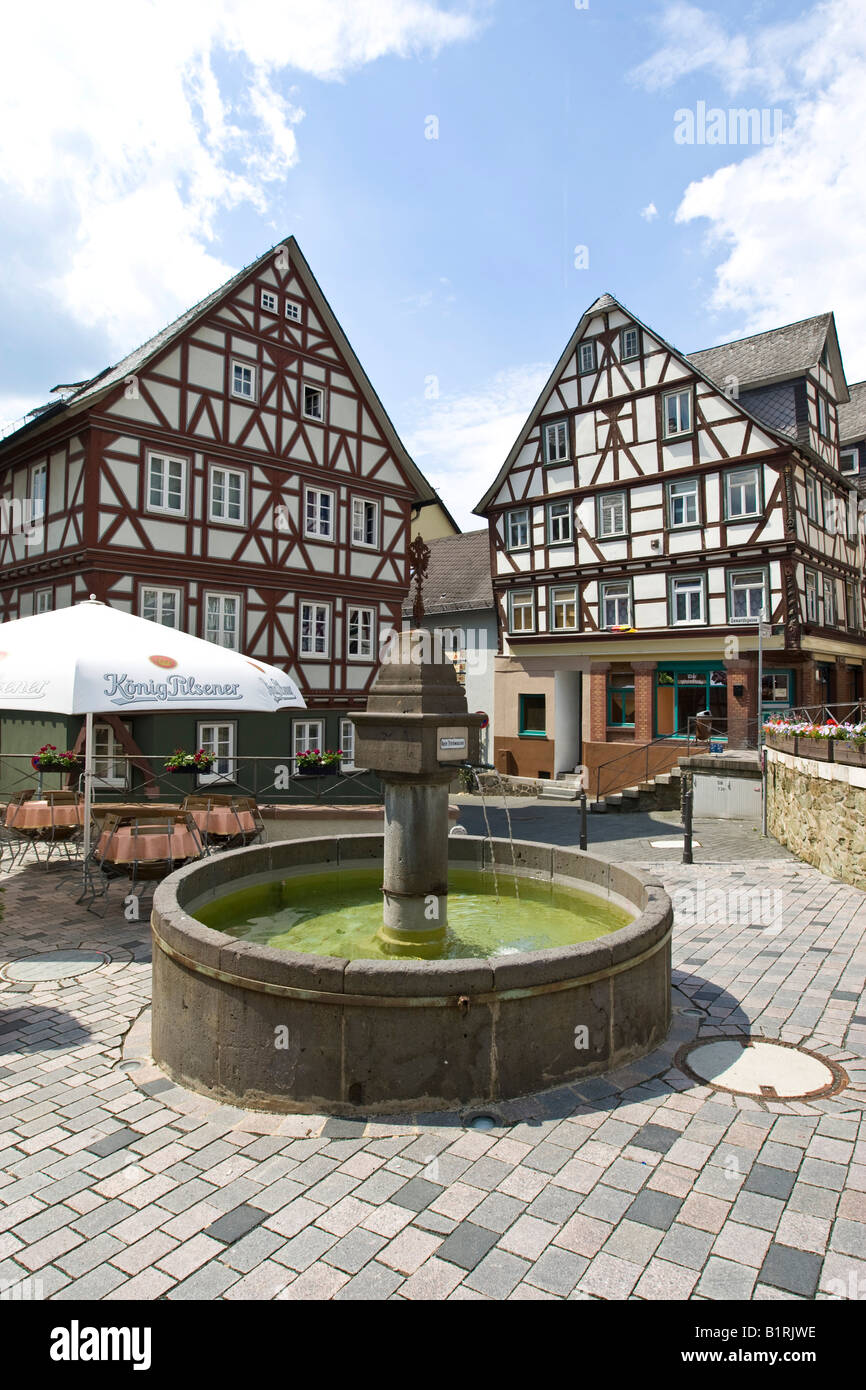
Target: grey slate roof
x,y
458,576
772,356
852,417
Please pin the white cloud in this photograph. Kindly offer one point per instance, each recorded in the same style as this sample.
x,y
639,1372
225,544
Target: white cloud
x,y
134,128
650,212
786,220
461,442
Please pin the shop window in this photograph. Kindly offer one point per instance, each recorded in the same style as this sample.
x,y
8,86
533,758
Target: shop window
x,y
532,716
620,700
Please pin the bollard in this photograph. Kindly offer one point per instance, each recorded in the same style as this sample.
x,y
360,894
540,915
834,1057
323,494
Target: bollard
x,y
688,798
583,819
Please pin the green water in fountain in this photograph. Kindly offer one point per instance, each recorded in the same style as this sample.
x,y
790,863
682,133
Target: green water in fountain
x,y
339,914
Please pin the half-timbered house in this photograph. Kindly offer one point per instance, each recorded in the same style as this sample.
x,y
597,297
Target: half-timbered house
x,y
652,507
237,477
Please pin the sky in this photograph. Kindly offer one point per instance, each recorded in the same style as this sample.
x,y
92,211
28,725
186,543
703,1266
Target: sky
x,y
465,177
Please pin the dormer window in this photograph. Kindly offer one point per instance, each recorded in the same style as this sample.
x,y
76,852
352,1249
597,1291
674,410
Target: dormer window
x,y
823,417
629,344
293,310
848,461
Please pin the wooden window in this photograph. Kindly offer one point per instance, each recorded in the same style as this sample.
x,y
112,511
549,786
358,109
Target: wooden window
x,y
319,513
683,504
747,595
532,716
587,357
293,310
44,600
677,413
522,603
559,523
160,606
831,616
563,609
219,739
314,403
852,606
222,620
620,700
812,597
243,380
308,736
823,417
38,491
615,603
556,442
629,344
269,302
813,493
315,629
227,494
365,522
742,493
849,461
612,514
166,484
347,744
517,530
688,605
109,761
361,625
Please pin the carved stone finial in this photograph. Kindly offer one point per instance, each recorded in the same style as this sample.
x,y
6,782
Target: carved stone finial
x,y
419,559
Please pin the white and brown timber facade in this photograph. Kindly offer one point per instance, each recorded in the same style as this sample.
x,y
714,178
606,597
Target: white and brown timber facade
x,y
652,505
236,477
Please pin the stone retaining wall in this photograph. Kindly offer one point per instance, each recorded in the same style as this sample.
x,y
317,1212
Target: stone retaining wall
x,y
818,811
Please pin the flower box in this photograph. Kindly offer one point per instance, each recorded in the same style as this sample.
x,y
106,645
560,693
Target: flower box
x,y
819,748
848,751
785,743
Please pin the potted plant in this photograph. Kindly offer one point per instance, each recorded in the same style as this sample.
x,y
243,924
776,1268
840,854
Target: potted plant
x,y
49,760
183,762
851,744
331,759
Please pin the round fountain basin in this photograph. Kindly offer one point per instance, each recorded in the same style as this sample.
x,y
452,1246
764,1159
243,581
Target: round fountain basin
x,y
333,1028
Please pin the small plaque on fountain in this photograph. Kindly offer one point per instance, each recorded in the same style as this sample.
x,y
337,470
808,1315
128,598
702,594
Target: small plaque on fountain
x,y
453,745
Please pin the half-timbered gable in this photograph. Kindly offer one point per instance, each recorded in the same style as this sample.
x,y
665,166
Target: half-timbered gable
x,y
660,501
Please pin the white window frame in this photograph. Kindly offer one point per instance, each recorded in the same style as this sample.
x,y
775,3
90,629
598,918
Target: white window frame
x,y
556,442
222,595
293,311
357,504
315,532
566,517
523,608
509,533
830,507
212,744
42,608
589,345
749,619
831,607
308,742
604,596
348,764
555,602
166,460
812,590
307,643
39,470
688,584
320,392
852,454
161,591
365,649
689,488
813,496
736,479
679,428
823,417
238,365
624,334
213,514
114,754
852,605
274,306
605,499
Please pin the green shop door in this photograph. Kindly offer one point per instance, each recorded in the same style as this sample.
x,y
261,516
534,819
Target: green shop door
x,y
684,690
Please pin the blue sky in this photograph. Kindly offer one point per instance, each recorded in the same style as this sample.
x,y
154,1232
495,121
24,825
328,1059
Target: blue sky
x,y
138,172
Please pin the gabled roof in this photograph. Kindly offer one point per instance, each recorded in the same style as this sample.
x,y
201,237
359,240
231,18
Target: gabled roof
x,y
852,417
777,355
94,390
458,576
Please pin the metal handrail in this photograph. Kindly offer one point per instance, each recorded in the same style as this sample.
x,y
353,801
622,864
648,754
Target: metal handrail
x,y
854,710
656,742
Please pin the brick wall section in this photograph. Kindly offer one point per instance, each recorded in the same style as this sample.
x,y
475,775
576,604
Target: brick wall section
x,y
598,701
644,689
742,708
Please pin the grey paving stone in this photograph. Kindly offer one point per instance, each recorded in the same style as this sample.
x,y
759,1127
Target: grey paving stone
x,y
354,1250
416,1194
652,1208
234,1224
725,1279
547,1158
209,1282
497,1274
497,1212
686,1245
557,1271
253,1249
655,1137
120,1139
305,1249
769,1181
374,1283
752,1209
96,1284
796,1271
558,1203
467,1245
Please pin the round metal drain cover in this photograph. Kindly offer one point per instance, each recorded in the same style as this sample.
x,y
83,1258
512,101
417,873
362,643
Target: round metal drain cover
x,y
763,1068
53,965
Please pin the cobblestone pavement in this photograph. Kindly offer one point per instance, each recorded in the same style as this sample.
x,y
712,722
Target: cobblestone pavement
x,y
117,1184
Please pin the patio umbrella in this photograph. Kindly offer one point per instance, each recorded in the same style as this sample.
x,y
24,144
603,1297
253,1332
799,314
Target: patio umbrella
x,y
91,658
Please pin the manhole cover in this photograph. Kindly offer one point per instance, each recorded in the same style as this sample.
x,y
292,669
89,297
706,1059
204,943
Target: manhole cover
x,y
760,1068
53,965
